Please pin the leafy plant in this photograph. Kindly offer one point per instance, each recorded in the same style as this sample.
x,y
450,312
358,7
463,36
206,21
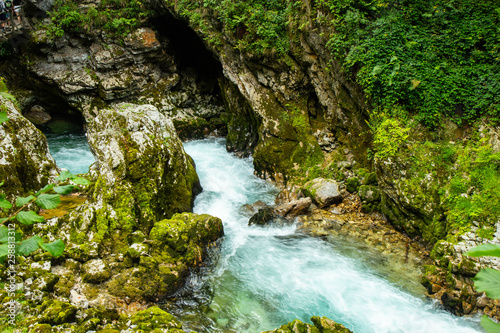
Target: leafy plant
x,y
488,281
432,57
117,18
20,211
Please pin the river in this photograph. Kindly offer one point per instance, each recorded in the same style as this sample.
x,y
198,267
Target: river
x,y
266,277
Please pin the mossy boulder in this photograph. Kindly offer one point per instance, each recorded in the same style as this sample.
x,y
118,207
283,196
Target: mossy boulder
x,y
352,184
186,234
143,175
176,245
45,282
320,325
95,271
55,312
153,319
25,162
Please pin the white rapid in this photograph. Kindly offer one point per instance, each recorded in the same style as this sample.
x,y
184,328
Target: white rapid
x,y
266,277
71,151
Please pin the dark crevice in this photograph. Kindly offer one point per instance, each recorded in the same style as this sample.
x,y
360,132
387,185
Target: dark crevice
x,y
191,54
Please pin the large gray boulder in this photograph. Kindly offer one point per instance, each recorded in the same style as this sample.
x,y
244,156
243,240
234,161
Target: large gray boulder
x,y
142,172
324,192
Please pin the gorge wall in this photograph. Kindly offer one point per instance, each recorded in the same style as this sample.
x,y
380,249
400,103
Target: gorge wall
x,y
298,111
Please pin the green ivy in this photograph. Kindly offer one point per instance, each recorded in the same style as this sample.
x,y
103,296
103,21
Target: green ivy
x,y
19,211
117,18
434,57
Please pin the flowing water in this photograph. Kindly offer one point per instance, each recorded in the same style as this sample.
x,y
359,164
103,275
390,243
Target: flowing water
x,y
265,277
71,151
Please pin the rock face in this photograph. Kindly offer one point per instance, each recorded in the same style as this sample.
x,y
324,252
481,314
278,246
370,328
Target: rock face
x,y
25,161
71,75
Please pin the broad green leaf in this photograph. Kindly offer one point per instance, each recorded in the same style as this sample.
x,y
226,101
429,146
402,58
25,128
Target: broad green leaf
x,y
28,246
4,203
29,217
4,234
21,201
4,251
3,117
65,174
67,189
489,325
484,250
80,181
47,188
48,201
56,248
488,280
3,219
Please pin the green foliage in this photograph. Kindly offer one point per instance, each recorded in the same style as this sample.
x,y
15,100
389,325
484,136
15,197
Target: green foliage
x,y
21,211
434,57
485,250
389,135
117,18
487,280
258,26
489,325
473,190
5,50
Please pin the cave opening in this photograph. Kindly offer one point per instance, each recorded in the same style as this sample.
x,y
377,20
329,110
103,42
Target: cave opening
x,y
190,52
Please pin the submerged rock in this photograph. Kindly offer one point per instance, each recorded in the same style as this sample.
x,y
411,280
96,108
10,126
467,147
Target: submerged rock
x,y
266,216
250,210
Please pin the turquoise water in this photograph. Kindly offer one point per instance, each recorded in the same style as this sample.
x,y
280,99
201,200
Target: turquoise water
x,y
71,151
265,277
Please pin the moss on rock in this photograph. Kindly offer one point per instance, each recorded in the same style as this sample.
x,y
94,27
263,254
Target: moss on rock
x,y
175,246
155,318
55,312
320,325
